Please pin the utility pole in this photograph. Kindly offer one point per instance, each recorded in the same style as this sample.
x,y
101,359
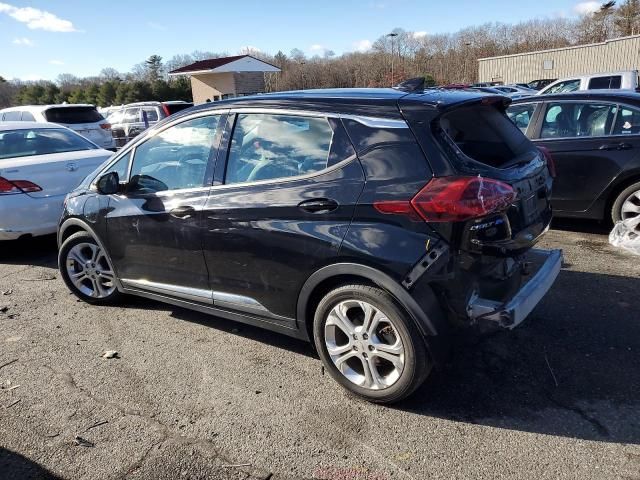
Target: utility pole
x,y
466,54
302,64
392,35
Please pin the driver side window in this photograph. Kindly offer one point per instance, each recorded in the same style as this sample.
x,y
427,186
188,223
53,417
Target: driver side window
x,y
175,158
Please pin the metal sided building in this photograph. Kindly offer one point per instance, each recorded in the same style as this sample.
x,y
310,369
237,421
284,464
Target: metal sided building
x,y
610,56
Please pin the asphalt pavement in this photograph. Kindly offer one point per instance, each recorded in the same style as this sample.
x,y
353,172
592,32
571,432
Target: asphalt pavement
x,y
191,396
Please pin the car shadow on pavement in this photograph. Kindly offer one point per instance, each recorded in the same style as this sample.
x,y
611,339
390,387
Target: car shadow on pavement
x,y
236,328
36,251
14,466
572,369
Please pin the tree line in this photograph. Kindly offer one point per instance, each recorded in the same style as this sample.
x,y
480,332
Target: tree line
x,y
441,58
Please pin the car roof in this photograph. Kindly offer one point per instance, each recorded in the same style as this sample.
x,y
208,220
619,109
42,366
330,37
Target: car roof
x,y
155,103
610,95
27,125
40,108
357,101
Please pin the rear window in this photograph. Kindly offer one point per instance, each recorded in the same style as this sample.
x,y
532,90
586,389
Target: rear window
x,y
598,83
40,141
72,115
486,135
177,107
12,116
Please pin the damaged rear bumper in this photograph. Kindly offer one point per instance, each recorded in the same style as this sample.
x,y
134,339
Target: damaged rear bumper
x,y
511,313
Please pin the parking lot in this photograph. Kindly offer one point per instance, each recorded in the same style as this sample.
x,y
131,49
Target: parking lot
x,y
192,396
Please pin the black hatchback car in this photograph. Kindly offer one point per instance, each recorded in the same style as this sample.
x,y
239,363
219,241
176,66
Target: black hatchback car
x,y
594,139
368,221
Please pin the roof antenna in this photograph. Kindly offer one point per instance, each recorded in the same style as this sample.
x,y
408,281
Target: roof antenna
x,y
413,85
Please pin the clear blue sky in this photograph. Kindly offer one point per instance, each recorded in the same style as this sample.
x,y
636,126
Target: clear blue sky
x,y
43,38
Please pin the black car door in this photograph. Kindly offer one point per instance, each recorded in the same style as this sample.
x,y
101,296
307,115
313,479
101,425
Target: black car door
x,y
282,208
590,142
154,228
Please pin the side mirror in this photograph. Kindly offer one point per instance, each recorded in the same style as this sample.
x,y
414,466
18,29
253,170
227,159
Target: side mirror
x,y
108,184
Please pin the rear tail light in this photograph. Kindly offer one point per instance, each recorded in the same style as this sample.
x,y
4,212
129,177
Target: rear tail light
x,y
453,199
166,111
105,126
551,164
9,187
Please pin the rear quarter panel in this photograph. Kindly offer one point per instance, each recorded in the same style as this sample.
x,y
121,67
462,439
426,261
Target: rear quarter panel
x,y
395,169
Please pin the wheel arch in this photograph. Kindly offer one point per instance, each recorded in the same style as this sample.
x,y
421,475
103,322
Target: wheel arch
x,y
617,188
327,278
72,226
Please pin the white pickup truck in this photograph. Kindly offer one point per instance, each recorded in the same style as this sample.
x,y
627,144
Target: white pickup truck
x,y
624,80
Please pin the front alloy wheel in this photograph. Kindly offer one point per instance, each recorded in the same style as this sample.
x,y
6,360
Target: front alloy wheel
x,y
86,269
89,270
369,344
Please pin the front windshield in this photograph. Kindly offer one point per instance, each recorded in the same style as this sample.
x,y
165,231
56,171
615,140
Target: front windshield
x,y
40,141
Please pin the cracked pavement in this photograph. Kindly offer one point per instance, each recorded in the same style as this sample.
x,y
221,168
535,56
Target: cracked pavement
x,y
193,396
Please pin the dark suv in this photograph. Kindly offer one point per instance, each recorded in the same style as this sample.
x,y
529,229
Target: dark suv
x,y
368,221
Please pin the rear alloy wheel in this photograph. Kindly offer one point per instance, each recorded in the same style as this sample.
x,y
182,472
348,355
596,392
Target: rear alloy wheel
x,y
86,269
626,208
368,344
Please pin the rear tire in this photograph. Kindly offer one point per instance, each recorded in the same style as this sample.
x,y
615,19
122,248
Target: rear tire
x,y
86,270
369,345
627,204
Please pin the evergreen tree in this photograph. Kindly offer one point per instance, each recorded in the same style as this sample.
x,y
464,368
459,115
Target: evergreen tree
x,y
154,68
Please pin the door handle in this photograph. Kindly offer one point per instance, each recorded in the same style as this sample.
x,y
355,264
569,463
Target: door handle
x,y
616,146
182,212
319,205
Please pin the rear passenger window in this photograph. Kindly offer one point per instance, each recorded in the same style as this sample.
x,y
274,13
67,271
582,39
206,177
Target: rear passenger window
x,y
12,116
131,115
27,117
152,114
521,115
265,147
627,122
575,119
598,83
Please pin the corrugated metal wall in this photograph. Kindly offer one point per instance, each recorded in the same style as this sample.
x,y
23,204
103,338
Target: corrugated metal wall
x,y
612,55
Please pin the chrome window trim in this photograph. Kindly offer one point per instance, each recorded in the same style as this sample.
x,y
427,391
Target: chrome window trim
x,y
373,122
167,193
336,166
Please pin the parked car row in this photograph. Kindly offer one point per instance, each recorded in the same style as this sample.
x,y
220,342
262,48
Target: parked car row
x,y
130,120
40,163
83,119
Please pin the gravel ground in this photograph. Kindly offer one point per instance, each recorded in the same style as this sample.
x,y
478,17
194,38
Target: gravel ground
x,y
192,396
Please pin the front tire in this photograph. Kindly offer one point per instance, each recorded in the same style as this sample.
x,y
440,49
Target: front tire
x,y
86,270
369,345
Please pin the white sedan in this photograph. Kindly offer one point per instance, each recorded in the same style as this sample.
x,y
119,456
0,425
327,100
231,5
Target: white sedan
x,y
39,164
